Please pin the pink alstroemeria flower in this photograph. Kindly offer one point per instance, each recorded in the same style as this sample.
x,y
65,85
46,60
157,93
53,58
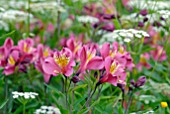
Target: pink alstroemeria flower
x,y
26,46
8,45
89,60
115,72
27,49
2,57
12,62
119,53
43,52
143,61
12,58
159,54
5,50
50,27
61,63
74,46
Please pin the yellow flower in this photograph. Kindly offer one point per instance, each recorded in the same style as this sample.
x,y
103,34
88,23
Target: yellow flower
x,y
164,104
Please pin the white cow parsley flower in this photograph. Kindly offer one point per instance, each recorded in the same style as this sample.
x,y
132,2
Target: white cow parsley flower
x,y
123,35
149,4
26,95
87,19
4,26
47,110
14,15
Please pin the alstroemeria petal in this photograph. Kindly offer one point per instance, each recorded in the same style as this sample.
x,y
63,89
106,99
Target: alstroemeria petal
x,y
47,78
108,62
112,79
50,67
69,72
105,50
95,63
9,70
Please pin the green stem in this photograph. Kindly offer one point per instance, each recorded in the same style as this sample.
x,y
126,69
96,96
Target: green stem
x,y
58,22
129,102
89,99
28,19
72,103
23,108
66,92
6,94
100,89
46,93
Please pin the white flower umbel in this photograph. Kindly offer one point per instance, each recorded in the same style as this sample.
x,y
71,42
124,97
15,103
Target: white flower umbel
x,y
47,110
47,10
2,9
24,98
43,6
149,4
123,35
25,95
135,18
4,26
14,15
164,13
87,19
85,1
14,4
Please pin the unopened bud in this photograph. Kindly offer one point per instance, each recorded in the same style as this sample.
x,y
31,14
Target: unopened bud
x,y
75,79
132,82
140,24
108,16
144,12
141,81
121,86
145,19
23,68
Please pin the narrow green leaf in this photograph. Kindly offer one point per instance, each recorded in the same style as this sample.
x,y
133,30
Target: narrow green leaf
x,y
8,34
4,103
80,86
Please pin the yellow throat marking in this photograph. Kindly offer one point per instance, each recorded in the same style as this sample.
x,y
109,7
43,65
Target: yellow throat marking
x,y
62,60
11,60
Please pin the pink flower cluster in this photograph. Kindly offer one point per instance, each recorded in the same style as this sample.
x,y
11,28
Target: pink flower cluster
x,y
16,57
111,61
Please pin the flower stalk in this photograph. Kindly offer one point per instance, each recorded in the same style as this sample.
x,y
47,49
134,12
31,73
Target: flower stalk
x,y
28,18
129,102
58,20
23,108
6,94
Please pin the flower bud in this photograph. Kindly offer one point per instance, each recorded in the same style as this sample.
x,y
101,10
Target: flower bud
x,y
145,19
75,79
121,86
108,16
157,24
141,81
144,12
161,18
132,82
108,27
140,24
23,68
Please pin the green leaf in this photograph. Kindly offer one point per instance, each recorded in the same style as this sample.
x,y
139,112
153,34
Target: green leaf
x,y
4,103
54,89
79,101
116,23
7,35
84,111
80,86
